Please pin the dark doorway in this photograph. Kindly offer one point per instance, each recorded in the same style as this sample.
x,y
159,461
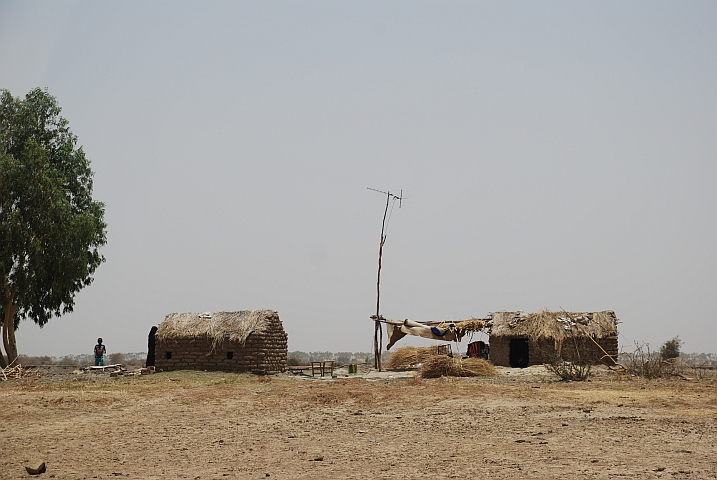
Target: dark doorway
x,y
151,345
519,352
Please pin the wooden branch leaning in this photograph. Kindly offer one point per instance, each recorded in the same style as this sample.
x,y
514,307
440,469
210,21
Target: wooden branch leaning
x,y
614,361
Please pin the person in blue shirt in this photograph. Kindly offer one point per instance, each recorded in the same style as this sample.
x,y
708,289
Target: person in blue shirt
x,y
100,351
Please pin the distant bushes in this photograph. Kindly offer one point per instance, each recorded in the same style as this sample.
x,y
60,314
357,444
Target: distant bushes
x,y
642,361
129,359
115,358
135,359
645,362
671,348
341,358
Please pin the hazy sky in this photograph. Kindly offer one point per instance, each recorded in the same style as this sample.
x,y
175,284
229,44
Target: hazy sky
x,y
553,154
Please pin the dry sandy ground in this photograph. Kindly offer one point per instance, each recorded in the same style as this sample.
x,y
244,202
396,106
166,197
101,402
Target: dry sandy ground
x,y
200,425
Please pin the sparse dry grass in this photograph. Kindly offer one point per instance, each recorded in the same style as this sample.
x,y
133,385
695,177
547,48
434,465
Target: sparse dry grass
x,y
191,387
198,423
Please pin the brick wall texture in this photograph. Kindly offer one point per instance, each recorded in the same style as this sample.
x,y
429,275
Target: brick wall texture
x,y
588,351
262,353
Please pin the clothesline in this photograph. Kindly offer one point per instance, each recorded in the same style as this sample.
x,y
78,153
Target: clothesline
x,y
448,331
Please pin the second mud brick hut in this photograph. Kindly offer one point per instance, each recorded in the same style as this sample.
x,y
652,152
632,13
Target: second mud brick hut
x,y
520,339
243,341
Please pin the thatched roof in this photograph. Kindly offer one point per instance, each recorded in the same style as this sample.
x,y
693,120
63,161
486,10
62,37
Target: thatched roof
x,y
554,325
216,326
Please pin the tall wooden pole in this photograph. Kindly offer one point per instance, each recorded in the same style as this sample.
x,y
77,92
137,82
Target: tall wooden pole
x,y
378,331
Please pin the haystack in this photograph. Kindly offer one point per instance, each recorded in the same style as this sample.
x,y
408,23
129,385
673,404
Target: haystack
x,y
432,364
406,358
444,366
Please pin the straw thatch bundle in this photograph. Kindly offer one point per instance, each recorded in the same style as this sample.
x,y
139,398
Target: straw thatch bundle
x,y
216,327
433,365
405,358
472,324
444,366
479,367
555,326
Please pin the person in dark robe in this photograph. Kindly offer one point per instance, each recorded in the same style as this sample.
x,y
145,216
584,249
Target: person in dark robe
x,y
151,343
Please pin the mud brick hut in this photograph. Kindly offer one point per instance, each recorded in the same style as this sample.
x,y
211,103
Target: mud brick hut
x,y
521,340
244,341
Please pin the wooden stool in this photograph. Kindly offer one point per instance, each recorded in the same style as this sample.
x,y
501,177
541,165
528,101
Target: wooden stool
x,y
322,367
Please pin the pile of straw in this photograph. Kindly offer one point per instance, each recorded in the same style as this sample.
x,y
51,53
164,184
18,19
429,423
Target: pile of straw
x,y
443,366
405,358
433,365
217,326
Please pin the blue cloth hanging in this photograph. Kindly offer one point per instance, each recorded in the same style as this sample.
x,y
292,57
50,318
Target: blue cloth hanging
x,y
438,333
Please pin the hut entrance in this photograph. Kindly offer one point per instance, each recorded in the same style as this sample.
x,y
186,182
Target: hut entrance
x,y
519,352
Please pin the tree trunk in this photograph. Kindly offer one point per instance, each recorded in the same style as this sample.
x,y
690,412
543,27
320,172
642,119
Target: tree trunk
x,y
3,362
8,332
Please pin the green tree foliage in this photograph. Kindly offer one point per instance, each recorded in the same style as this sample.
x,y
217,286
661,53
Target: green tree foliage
x,y
671,348
50,227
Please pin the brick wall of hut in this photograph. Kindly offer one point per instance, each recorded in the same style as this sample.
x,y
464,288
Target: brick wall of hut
x,y
500,350
262,353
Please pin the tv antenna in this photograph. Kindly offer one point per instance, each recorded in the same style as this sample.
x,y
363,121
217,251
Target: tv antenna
x,y
378,331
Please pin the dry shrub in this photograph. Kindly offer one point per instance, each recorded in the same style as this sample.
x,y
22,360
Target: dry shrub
x,y
646,363
443,366
405,358
576,370
671,348
568,371
700,370
687,370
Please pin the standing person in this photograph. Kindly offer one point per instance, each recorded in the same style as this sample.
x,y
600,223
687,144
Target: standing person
x,y
151,344
100,351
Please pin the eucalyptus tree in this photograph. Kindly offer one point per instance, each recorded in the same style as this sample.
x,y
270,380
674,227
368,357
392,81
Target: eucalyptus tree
x,y
50,227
